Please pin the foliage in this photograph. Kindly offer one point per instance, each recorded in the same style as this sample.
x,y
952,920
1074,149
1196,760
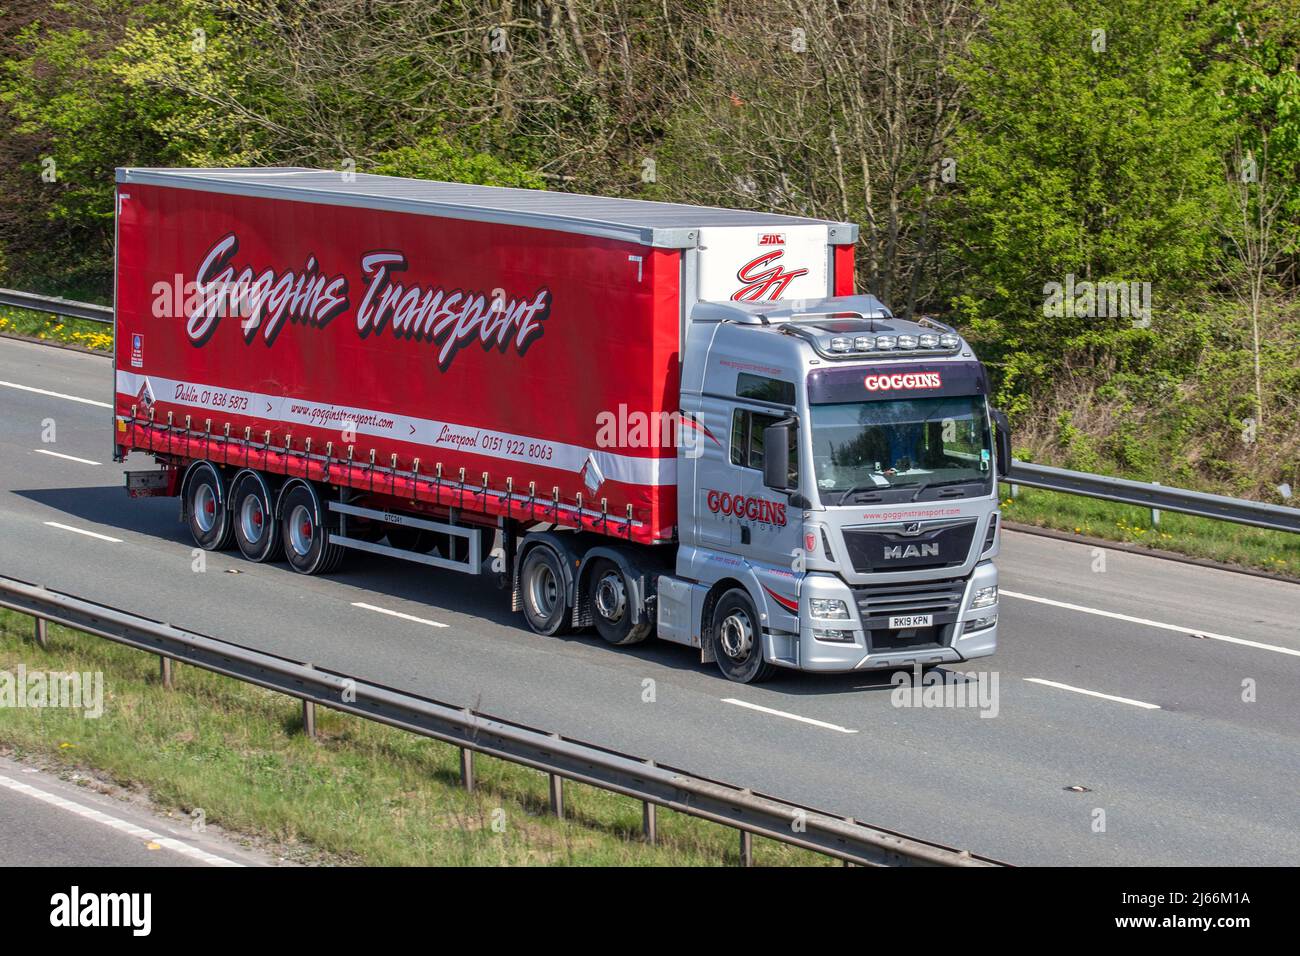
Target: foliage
x,y
987,148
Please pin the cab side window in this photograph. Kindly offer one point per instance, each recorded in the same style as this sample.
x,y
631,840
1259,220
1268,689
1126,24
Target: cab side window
x,y
747,439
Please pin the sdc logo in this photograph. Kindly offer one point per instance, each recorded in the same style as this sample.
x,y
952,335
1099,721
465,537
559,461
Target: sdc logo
x,y
751,509
878,383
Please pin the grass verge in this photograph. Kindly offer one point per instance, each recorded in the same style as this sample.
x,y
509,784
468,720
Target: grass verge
x,y
56,328
361,794
1258,548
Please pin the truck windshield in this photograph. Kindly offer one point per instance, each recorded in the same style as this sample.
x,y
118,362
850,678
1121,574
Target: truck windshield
x,y
890,449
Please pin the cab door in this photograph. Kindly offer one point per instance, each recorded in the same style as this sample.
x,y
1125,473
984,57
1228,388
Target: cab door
x,y
714,475
766,532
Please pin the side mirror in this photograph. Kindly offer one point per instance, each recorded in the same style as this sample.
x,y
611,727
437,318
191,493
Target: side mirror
x,y
776,455
1002,435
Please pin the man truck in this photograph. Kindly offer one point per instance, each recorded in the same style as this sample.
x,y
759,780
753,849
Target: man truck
x,y
640,417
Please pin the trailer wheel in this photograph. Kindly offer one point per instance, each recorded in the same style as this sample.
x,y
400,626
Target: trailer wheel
x,y
210,523
611,607
541,582
254,521
738,639
307,546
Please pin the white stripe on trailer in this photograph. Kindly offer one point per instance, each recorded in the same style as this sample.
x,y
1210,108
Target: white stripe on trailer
x,y
451,436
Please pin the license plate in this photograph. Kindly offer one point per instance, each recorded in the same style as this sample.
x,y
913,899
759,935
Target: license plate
x,y
911,620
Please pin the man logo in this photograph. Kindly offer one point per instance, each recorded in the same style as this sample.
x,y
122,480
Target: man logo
x,y
912,528
912,551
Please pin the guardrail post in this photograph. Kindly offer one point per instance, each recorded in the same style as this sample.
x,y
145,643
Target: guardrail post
x,y
650,817
309,713
746,848
557,796
1015,490
557,792
165,671
309,718
467,769
1155,512
39,633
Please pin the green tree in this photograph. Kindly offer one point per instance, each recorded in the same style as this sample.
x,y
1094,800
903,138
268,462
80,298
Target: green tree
x,y
1091,147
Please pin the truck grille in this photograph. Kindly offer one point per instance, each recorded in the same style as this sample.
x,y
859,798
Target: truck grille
x,y
877,604
937,545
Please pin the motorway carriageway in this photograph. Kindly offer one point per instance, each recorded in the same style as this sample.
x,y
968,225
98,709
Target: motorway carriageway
x,y
1128,682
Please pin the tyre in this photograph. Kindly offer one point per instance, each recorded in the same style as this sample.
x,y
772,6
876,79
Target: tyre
x,y
253,515
541,582
209,519
611,607
737,639
304,533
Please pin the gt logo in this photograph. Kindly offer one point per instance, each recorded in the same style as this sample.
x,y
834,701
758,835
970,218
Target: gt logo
x,y
769,283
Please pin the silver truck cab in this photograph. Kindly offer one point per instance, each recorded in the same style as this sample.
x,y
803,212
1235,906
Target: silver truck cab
x,y
843,482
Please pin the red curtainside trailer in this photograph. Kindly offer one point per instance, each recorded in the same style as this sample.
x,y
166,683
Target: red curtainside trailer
x,y
440,372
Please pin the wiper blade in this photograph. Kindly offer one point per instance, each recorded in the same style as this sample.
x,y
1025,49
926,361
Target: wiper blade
x,y
856,490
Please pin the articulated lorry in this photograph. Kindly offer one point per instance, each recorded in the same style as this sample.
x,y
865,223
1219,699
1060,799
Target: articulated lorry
x,y
645,418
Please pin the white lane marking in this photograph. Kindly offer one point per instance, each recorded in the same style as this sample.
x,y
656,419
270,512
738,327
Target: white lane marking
x,y
1093,693
781,713
55,454
70,398
88,534
1195,632
404,617
130,829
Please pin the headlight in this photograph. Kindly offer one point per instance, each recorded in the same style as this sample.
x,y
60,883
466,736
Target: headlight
x,y
985,596
828,609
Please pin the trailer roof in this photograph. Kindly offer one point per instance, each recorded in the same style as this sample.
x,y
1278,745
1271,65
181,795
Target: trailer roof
x,y
669,225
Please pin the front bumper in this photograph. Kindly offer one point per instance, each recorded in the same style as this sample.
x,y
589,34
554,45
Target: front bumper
x,y
865,649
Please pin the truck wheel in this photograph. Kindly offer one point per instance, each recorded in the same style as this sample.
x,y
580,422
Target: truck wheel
x,y
541,581
611,607
306,540
738,639
254,522
210,523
